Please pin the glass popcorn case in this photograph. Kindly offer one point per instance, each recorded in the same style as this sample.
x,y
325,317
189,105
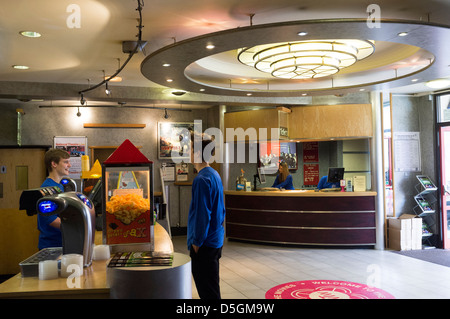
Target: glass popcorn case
x,y
128,204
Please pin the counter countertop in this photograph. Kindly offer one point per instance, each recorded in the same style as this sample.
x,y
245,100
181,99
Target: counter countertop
x,y
93,283
304,193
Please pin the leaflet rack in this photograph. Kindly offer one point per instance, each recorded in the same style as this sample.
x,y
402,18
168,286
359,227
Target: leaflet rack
x,y
425,207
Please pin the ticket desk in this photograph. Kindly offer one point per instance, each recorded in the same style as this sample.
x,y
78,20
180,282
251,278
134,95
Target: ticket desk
x,y
301,217
94,281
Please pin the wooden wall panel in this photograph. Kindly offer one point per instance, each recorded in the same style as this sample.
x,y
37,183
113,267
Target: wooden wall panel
x,y
331,121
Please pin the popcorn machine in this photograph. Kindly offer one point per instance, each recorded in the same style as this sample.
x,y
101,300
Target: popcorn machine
x,y
128,204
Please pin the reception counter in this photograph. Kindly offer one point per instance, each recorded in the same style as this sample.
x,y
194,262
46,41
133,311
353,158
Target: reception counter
x,y
301,217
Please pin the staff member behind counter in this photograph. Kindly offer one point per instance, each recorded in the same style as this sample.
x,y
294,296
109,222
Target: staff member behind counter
x,y
57,162
332,181
323,183
284,179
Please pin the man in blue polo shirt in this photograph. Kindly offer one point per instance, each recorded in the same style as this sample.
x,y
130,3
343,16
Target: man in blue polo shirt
x,y
57,162
205,221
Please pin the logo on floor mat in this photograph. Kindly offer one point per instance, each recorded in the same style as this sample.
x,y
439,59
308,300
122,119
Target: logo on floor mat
x,y
326,289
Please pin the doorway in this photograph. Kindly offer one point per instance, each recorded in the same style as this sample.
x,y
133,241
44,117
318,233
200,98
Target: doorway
x,y
444,143
443,130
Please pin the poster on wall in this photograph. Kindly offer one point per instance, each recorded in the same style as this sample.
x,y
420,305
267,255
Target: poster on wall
x,y
310,174
272,153
407,152
310,152
76,146
174,140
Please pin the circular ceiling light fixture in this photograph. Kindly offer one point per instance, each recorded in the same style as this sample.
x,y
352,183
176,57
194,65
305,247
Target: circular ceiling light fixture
x,y
305,59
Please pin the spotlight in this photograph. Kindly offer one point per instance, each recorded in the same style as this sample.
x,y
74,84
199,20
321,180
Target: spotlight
x,y
82,100
78,113
107,90
166,115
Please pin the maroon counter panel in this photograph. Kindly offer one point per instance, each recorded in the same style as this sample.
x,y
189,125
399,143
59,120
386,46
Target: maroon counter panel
x,y
302,220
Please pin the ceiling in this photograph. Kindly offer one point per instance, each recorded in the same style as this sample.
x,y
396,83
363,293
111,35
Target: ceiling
x,y
70,57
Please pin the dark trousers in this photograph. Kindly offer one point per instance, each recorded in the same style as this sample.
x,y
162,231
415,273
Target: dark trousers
x,y
205,269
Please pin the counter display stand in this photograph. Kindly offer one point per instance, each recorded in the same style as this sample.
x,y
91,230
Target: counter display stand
x,y
425,208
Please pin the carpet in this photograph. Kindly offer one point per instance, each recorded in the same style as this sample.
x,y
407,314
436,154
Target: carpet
x,y
437,256
326,289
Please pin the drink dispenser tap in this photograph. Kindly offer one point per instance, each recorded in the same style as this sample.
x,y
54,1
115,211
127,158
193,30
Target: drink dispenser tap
x,y
77,222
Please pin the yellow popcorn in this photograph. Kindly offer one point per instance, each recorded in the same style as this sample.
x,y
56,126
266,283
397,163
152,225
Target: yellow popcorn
x,y
127,207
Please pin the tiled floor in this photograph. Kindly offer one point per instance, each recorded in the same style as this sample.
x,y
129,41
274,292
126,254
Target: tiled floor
x,y
248,270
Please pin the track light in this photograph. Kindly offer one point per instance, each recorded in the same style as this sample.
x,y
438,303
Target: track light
x,y
78,113
82,100
166,115
107,90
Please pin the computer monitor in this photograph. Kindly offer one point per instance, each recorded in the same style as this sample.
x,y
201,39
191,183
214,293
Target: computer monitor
x,y
335,174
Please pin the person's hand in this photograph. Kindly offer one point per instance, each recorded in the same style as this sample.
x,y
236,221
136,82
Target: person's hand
x,y
195,248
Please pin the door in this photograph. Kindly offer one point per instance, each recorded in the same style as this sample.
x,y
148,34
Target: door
x,y
444,134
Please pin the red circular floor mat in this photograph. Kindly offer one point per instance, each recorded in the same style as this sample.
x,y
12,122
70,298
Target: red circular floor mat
x,y
326,289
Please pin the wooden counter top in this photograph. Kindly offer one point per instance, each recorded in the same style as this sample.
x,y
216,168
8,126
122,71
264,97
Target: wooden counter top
x,y
299,193
93,283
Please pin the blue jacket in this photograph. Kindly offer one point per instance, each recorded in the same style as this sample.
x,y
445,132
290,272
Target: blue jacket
x,y
206,211
287,184
324,184
49,236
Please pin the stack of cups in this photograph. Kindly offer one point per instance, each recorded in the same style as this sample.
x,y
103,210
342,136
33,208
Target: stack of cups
x,y
101,252
71,265
48,269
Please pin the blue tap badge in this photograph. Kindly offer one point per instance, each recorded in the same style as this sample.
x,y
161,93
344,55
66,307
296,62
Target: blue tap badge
x,y
47,206
85,200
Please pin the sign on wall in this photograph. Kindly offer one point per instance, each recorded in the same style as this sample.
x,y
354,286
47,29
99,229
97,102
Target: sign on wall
x,y
407,152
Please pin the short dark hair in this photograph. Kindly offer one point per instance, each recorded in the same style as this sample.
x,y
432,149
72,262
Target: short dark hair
x,y
205,141
54,155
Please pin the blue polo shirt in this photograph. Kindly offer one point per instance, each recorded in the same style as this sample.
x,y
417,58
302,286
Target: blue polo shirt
x,y
324,184
206,211
49,236
287,184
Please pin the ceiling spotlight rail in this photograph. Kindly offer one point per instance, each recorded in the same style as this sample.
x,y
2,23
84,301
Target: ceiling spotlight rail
x,y
131,54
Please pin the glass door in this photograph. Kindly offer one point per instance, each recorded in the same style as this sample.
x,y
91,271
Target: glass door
x,y
443,130
444,135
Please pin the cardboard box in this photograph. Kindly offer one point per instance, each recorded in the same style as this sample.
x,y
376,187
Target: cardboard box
x,y
405,232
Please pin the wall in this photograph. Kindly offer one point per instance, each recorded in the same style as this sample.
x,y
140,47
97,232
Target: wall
x,y
413,114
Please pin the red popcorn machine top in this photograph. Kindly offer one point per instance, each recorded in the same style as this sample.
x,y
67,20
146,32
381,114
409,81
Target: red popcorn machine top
x,y
128,204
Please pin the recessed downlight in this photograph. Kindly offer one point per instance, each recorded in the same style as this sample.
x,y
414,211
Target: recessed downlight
x,y
169,80
21,67
30,34
402,34
302,33
166,65
210,46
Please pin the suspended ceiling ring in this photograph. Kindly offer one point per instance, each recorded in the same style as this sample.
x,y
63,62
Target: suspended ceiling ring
x,y
193,68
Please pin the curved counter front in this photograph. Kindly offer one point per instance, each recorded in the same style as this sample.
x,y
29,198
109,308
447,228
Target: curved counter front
x,y
301,217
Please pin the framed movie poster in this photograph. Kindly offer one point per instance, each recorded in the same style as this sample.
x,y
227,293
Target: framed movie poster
x,y
174,140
